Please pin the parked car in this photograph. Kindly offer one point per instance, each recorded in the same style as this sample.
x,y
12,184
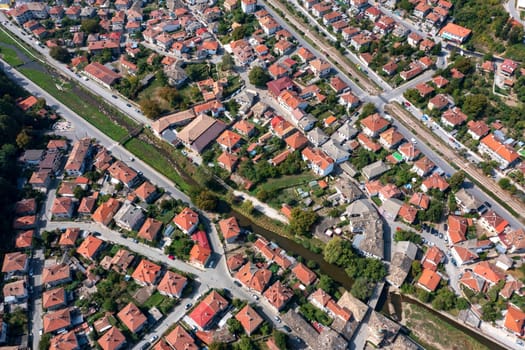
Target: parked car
x,y
171,257
277,319
287,329
152,339
188,306
237,283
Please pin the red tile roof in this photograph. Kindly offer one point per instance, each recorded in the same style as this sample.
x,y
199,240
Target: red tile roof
x,y
112,339
514,319
249,319
432,258
457,228
24,239
54,321
146,272
172,284
304,274
54,297
179,339
230,228
14,262
429,280
150,229
132,317
278,295
488,272
208,308
253,277
89,247
186,219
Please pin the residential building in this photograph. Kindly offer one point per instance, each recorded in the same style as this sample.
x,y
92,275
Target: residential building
x,y
132,318
105,212
187,220
230,229
147,192
514,320
180,339
15,292
429,280
200,132
56,321
150,229
90,247
56,274
172,284
63,208
278,295
208,310
253,277
320,163
98,72
455,33
374,124
129,217
304,274
146,273
120,172
493,223
77,161
502,153
15,263
113,339
249,319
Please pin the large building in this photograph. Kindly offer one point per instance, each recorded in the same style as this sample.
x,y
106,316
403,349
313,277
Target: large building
x,y
455,33
198,134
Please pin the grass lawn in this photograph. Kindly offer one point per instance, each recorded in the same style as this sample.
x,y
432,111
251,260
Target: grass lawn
x,y
287,181
163,303
166,216
10,56
434,333
79,106
156,160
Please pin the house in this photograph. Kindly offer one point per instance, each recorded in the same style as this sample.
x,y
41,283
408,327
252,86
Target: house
x,y
424,89
429,280
320,67
304,274
244,128
488,272
54,299
408,213
432,258
338,85
472,281
129,217
296,141
421,10
120,172
248,6
230,229
514,241
229,140
132,318
15,264
234,262
146,192
493,223
349,100
227,161
56,274
374,124
514,320
90,247
434,181
510,288
178,338
466,202
477,129
24,222
253,278
290,101
438,102
113,339
278,295
320,163
304,54
455,33
334,150
77,161
100,73
15,292
105,212
63,208
187,220
420,200
390,68
122,261
172,120
24,239
508,67
249,319
317,136
453,117
25,207
281,127
172,284
56,321
408,151
146,273
372,13
150,229
462,255
423,166
199,255
390,138
504,154
40,180
414,70
208,310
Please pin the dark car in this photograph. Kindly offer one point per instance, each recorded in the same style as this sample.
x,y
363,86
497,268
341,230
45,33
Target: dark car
x,y
114,96
188,306
237,283
287,329
146,346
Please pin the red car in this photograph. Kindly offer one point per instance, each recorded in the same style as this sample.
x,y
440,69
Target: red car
x,y
171,257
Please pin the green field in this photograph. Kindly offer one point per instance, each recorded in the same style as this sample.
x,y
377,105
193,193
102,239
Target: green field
x,y
10,56
287,181
522,152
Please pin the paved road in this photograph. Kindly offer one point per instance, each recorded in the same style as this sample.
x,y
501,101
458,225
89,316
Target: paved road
x,y
510,7
35,315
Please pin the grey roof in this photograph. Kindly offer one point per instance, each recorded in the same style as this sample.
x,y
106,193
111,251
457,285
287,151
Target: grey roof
x,y
335,151
306,122
347,188
346,131
317,136
129,216
302,328
330,339
391,207
399,269
363,217
467,200
381,329
407,248
375,169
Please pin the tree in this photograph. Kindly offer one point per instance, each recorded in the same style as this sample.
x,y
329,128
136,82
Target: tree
x,y
327,284
206,200
238,33
227,62
45,341
23,139
78,192
475,105
60,53
234,326
423,295
302,221
490,312
90,26
338,251
258,76
246,344
263,195
248,206
456,180
362,289
504,183
444,300
462,304
280,339
416,268
150,108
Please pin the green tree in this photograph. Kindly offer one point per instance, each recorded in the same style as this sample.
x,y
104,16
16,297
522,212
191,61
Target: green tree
x,y
490,312
150,108
246,344
327,284
416,268
368,109
258,76
338,251
60,54
475,105
248,206
234,326
504,183
362,289
280,339
227,62
78,192
456,180
462,304
423,295
90,26
238,33
206,200
444,300
23,139
302,221
45,341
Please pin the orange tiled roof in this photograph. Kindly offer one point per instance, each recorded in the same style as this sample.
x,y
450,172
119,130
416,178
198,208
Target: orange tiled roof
x,y
53,297
112,339
186,219
514,319
54,321
429,279
132,317
55,273
488,272
253,277
296,141
64,341
278,295
249,319
24,239
229,139
172,284
199,254
230,228
375,122
150,229
89,247
145,190
14,262
432,258
146,272
457,228
304,274
105,212
179,339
